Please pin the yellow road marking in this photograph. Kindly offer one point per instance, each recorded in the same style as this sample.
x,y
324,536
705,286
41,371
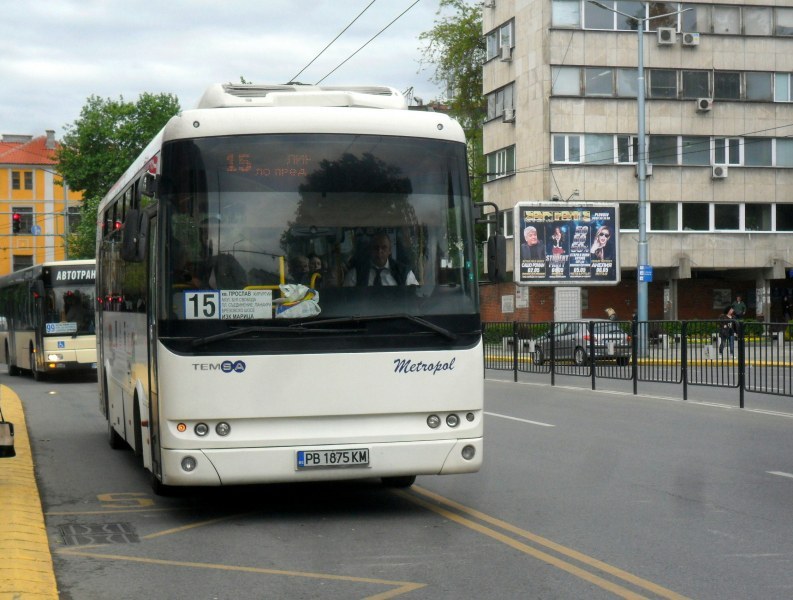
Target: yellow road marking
x,y
552,560
401,587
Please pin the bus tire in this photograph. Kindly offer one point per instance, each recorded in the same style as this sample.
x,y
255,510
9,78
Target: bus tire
x,y
37,375
138,449
13,370
402,481
116,441
159,488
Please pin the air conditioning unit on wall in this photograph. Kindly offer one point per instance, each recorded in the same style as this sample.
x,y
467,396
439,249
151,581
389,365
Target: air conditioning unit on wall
x,y
691,39
667,36
509,115
506,53
704,104
719,172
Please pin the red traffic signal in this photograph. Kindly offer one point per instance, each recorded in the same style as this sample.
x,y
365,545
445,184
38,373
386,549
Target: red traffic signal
x,y
16,221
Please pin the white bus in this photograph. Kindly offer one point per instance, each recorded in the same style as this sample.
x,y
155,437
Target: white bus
x,y
223,361
47,318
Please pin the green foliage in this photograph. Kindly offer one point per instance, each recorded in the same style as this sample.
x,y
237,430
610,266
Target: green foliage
x,y
99,146
456,47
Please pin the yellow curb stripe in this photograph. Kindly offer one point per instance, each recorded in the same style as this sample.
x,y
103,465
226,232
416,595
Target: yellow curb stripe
x,y
26,569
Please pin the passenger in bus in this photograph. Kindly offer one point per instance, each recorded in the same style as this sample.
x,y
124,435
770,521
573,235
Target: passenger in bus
x,y
299,269
380,269
320,276
73,307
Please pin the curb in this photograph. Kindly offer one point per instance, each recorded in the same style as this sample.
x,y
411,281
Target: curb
x,y
26,569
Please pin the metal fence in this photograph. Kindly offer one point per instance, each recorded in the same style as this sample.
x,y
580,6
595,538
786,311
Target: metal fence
x,y
745,355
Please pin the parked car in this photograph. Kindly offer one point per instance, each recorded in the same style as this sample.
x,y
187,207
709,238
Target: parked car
x,y
571,341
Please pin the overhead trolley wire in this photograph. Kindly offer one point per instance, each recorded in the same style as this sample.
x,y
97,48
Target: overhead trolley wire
x,y
333,40
368,41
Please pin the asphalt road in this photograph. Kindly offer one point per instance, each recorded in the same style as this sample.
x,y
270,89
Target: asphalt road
x,y
583,495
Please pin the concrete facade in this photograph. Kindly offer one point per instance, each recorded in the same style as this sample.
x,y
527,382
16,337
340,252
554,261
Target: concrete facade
x,y
743,257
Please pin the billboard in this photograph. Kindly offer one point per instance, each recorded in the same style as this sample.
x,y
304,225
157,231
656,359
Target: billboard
x,y
566,245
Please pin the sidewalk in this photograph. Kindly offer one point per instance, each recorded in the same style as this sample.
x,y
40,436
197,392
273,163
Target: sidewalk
x,y
26,570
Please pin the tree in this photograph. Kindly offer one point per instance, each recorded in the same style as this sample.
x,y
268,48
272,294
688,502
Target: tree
x,y
99,146
456,46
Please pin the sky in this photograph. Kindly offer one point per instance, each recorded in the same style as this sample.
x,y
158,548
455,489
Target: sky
x,y
55,54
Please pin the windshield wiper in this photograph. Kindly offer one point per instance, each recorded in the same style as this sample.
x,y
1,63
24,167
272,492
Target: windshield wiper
x,y
412,318
240,331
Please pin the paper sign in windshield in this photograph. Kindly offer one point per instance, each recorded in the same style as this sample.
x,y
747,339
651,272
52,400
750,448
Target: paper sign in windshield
x,y
60,328
228,304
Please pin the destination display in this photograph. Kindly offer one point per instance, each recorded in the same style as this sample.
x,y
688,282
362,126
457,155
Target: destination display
x,y
228,304
571,245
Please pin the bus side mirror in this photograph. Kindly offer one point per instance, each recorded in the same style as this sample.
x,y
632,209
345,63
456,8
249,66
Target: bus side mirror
x,y
130,237
148,185
496,257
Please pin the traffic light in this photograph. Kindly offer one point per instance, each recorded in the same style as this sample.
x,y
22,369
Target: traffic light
x,y
16,220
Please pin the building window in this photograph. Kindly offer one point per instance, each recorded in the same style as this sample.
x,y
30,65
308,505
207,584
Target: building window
x,y
757,152
566,81
696,19
696,84
695,150
566,13
784,152
508,221
73,217
663,150
727,20
758,20
566,148
21,262
663,216
696,216
629,215
629,7
598,81
501,163
599,149
22,180
663,8
784,217
726,86
757,217
627,149
784,21
782,87
627,83
597,17
498,101
759,86
663,83
726,217
502,36
727,151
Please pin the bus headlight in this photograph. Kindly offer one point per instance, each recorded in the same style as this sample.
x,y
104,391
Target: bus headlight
x,y
452,420
433,421
201,429
223,429
54,357
468,452
189,463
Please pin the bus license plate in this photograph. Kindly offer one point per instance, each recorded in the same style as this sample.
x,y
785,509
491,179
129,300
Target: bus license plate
x,y
329,458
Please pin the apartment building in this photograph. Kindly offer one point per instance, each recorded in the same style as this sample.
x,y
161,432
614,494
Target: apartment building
x,y
562,85
36,209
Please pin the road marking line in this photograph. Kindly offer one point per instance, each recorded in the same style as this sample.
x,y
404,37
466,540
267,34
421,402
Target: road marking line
x,y
780,474
402,587
491,414
539,554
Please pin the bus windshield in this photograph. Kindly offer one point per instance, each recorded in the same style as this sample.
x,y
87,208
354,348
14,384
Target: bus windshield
x,y
69,310
297,225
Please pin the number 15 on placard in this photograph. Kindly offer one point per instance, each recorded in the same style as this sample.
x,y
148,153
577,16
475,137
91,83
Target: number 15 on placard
x,y
202,305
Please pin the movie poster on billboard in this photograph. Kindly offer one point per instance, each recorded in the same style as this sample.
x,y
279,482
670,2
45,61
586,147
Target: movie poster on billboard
x,y
573,245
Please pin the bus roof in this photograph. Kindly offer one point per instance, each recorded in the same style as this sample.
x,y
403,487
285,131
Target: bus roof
x,y
222,95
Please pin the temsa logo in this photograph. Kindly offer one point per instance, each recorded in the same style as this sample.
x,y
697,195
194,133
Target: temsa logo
x,y
227,366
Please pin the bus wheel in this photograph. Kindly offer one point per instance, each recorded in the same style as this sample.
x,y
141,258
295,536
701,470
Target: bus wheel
x,y
403,481
116,441
13,370
159,488
37,375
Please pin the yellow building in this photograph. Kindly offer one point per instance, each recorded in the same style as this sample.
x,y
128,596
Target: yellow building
x,y
36,209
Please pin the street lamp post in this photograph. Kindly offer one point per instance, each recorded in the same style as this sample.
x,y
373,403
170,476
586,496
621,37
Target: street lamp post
x,y
641,162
